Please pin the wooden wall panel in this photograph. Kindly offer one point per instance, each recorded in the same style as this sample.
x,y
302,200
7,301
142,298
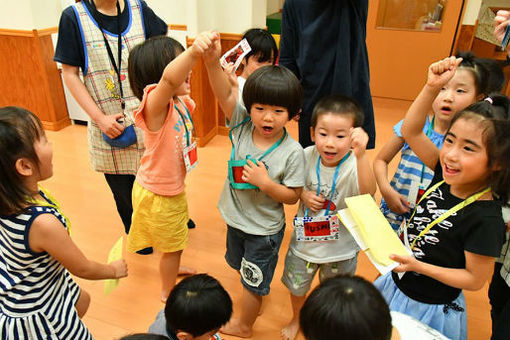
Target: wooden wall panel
x,y
29,78
465,38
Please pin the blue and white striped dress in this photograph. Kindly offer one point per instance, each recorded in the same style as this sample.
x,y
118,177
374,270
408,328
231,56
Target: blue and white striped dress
x,y
409,171
37,294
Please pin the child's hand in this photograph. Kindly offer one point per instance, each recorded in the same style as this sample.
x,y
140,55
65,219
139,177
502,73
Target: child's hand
x,y
501,21
231,75
359,140
442,71
255,173
120,268
213,53
407,263
203,42
396,202
312,201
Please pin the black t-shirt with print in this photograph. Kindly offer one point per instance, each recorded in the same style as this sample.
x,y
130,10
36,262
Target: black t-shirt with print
x,y
477,228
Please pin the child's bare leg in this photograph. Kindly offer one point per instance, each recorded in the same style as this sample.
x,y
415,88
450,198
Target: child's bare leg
x,y
82,305
290,331
168,269
243,327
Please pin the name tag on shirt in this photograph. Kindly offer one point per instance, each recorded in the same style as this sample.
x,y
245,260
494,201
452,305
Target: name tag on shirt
x,y
317,228
190,156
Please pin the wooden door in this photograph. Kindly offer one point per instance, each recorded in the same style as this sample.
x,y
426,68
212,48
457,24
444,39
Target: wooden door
x,y
403,39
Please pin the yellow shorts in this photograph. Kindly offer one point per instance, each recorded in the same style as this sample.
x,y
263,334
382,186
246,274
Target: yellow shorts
x,y
158,221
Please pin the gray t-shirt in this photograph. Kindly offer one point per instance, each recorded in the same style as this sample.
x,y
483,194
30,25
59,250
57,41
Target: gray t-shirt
x,y
346,186
253,211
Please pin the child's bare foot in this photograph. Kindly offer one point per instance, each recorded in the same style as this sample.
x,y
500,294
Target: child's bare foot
x,y
183,270
163,296
234,327
290,331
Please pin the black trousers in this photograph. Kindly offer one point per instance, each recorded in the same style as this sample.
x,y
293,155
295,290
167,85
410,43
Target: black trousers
x,y
499,296
121,187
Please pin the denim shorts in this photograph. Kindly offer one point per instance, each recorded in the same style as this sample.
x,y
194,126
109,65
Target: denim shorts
x,y
254,256
298,274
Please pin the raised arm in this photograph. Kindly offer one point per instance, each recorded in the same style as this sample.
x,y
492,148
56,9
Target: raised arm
x,y
412,129
395,201
107,123
366,179
174,75
219,80
47,234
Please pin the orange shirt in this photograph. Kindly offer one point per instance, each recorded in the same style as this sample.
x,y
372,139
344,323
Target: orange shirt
x,y
162,169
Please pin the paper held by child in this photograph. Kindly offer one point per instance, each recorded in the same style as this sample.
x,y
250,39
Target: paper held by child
x,y
115,254
372,232
236,54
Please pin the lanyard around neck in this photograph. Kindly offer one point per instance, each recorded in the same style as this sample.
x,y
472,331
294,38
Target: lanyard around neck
x,y
448,213
268,151
109,50
333,186
184,120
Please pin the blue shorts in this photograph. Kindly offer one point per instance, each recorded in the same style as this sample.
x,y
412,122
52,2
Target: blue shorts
x,y
254,256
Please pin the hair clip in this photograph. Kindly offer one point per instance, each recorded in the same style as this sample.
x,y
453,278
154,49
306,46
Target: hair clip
x,y
489,99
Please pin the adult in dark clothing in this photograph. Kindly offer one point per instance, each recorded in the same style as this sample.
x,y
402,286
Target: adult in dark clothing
x,y
323,43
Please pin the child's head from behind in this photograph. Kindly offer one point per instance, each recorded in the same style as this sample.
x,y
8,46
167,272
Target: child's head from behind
x,y
263,51
332,120
148,60
468,85
345,307
476,149
197,307
26,154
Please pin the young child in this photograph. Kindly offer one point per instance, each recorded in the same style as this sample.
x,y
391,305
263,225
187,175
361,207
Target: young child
x,y
273,172
195,310
456,230
336,167
159,71
39,297
350,307
468,85
263,52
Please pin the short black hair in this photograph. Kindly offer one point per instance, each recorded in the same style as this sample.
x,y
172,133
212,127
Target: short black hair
x,y
148,60
197,305
486,75
144,336
262,45
338,104
347,307
19,130
274,85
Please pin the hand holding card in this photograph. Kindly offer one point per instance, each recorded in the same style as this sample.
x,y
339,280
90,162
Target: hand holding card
x,y
236,54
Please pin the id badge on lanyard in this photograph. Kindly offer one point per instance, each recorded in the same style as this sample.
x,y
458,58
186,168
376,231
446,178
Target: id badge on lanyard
x,y
317,228
416,191
320,228
189,153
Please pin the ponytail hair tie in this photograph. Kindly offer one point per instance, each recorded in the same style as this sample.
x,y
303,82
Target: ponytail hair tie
x,y
489,99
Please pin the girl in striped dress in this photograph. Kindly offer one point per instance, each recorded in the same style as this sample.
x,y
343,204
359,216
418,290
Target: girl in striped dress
x,y
38,297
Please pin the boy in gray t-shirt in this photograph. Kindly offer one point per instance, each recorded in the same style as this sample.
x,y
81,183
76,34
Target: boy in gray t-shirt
x,y
266,170
336,167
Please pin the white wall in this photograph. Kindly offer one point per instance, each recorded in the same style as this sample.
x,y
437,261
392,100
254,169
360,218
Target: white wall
x,y
473,7
274,6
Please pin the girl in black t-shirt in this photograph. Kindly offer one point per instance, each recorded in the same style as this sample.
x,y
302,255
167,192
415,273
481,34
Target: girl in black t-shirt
x,y
456,230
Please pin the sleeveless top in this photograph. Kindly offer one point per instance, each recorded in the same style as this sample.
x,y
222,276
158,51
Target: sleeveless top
x,y
37,294
102,84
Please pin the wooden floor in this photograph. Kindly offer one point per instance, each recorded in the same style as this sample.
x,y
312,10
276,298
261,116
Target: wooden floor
x,y
86,199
